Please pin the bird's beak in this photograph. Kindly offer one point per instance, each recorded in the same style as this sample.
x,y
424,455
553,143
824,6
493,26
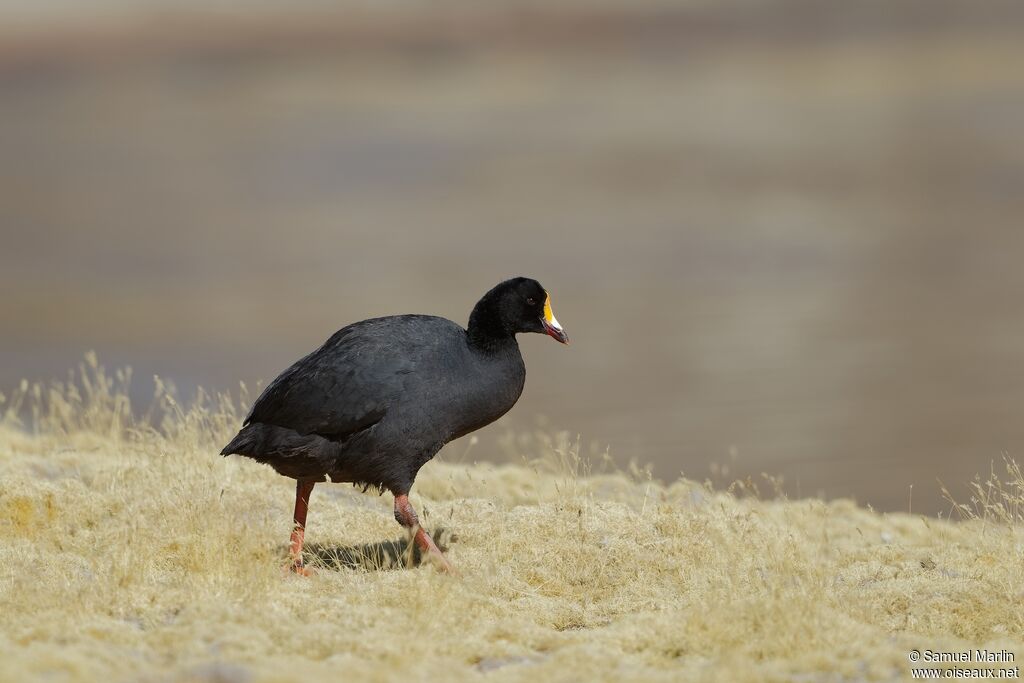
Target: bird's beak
x,y
551,325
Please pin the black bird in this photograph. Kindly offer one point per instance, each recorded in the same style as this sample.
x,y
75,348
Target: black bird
x,y
382,396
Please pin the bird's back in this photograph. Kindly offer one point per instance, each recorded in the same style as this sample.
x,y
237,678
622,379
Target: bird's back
x,y
378,399
352,379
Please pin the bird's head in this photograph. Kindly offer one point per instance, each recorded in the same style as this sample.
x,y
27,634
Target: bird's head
x,y
517,305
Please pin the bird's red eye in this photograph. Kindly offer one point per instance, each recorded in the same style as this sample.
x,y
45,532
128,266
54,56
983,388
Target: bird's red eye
x,y
531,301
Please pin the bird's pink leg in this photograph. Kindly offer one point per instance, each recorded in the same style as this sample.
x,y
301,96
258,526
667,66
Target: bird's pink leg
x,y
406,516
303,489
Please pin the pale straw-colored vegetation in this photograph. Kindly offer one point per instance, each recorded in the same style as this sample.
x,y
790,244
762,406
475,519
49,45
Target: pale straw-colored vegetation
x,y
131,551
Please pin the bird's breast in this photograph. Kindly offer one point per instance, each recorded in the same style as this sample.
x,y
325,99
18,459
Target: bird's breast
x,y
483,399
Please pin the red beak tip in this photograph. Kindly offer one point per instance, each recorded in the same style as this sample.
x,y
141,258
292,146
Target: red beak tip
x,y
555,333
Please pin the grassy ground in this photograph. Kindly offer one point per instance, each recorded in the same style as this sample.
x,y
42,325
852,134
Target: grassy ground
x,y
132,553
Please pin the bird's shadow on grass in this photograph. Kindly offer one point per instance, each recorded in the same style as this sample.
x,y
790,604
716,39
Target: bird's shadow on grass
x,y
382,556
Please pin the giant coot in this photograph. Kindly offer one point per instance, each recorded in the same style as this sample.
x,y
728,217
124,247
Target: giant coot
x,y
382,396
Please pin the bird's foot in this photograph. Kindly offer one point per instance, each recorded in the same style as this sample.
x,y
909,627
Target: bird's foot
x,y
440,562
429,552
296,567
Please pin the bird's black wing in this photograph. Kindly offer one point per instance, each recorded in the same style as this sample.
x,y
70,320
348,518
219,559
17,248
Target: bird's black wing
x,y
343,387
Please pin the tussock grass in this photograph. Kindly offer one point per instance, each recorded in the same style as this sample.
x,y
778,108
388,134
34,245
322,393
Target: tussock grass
x,y
130,551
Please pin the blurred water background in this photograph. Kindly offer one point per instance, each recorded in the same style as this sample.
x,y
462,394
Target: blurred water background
x,y
785,237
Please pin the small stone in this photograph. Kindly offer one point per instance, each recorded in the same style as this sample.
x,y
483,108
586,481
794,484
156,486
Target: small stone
x,y
491,663
218,672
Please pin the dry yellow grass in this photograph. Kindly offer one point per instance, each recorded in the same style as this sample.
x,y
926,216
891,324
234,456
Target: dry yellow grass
x,y
132,553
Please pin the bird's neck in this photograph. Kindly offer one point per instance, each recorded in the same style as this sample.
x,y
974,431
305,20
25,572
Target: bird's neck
x,y
487,332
